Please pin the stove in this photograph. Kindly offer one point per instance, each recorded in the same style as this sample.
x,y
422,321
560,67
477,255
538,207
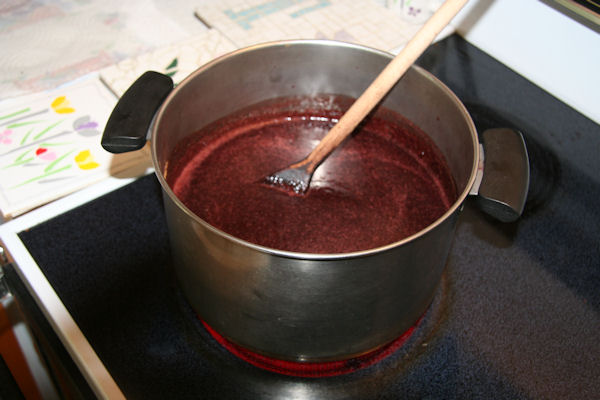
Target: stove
x,y
516,315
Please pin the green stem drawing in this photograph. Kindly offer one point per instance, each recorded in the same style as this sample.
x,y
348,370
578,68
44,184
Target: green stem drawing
x,y
26,136
59,159
20,124
37,178
20,160
15,113
46,144
37,142
42,133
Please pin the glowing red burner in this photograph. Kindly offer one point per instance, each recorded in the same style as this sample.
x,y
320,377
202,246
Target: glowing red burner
x,y
313,369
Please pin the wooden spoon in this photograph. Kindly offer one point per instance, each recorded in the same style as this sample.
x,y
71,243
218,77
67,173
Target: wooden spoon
x,y
298,175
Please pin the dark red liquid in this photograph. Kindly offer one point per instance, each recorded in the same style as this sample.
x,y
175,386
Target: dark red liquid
x,y
386,182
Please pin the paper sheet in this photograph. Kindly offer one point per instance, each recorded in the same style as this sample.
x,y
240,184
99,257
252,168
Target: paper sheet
x,y
50,145
177,61
248,22
47,43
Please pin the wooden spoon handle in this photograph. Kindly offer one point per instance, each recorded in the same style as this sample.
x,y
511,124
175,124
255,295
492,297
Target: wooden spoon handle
x,y
384,82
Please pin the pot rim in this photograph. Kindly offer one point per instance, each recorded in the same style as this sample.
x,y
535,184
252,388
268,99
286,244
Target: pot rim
x,y
316,256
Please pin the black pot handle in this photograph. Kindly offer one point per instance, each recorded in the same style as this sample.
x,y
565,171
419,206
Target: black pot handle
x,y
128,124
505,179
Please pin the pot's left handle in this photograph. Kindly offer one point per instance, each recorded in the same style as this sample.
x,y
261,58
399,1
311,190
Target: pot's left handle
x,y
128,124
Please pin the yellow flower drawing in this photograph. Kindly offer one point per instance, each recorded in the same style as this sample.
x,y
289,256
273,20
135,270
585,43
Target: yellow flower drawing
x,y
61,105
85,160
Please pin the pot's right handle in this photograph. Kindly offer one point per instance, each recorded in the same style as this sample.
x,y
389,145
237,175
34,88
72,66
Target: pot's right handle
x,y
505,175
128,124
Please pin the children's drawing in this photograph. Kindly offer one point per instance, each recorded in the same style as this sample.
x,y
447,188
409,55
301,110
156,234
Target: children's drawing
x,y
247,22
50,145
177,60
37,133
171,69
244,17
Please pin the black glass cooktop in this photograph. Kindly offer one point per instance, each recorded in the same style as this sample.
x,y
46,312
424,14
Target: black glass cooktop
x,y
516,315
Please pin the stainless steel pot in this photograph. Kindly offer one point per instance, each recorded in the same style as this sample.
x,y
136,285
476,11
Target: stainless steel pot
x,y
312,307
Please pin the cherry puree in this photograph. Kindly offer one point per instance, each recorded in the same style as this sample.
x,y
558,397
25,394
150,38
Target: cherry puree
x,y
384,183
